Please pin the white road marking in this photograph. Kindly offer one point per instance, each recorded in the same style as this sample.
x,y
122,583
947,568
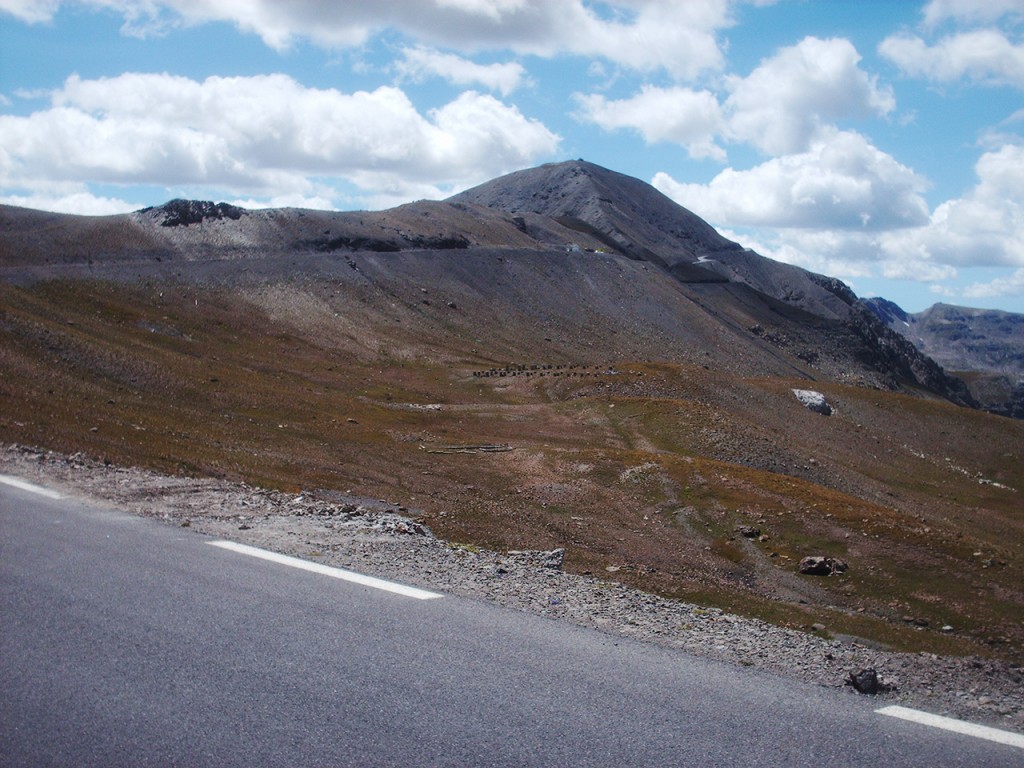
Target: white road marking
x,y
27,486
958,726
326,570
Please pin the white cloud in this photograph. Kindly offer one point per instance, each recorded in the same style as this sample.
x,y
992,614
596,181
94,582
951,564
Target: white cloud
x,y
678,115
1012,285
30,11
285,201
983,228
263,136
790,98
984,56
786,104
970,11
649,35
419,63
841,182
83,203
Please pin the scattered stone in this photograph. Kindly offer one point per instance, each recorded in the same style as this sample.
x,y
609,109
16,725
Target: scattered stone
x,y
552,559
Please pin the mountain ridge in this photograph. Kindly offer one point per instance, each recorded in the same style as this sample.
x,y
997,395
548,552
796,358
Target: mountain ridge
x,y
984,347
555,209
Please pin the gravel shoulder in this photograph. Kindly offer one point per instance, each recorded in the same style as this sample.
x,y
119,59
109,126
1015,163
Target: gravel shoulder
x,y
381,539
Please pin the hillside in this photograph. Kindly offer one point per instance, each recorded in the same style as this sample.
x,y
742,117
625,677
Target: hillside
x,y
523,380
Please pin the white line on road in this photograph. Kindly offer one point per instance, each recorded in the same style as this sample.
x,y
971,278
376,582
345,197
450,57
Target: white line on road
x,y
27,486
958,726
326,570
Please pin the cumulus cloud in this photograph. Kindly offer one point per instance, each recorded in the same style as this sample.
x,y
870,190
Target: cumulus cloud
x,y
648,35
790,98
984,56
82,202
1011,285
971,11
786,104
984,228
31,11
678,115
419,63
261,136
841,182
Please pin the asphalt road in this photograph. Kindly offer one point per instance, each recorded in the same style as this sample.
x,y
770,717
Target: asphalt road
x,y
124,641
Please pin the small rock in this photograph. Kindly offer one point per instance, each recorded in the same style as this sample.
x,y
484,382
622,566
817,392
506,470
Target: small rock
x,y
866,681
748,531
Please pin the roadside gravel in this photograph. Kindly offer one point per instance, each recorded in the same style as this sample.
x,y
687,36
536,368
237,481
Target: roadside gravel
x,y
378,538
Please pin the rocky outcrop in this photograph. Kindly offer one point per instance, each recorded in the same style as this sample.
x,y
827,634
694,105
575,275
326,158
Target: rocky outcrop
x,y
182,213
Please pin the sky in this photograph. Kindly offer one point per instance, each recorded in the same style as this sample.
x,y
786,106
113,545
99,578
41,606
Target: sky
x,y
877,141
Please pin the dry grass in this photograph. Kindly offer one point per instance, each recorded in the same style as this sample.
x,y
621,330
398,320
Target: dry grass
x,y
648,471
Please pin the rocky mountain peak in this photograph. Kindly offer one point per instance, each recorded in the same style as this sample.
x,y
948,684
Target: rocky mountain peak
x,y
635,218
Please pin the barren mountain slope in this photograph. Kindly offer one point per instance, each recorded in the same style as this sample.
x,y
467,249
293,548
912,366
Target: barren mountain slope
x,y
189,230
645,224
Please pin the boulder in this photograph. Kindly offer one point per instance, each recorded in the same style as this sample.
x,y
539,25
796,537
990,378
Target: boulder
x,y
814,401
867,681
821,566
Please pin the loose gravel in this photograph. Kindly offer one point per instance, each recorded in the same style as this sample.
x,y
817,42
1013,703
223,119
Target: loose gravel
x,y
382,539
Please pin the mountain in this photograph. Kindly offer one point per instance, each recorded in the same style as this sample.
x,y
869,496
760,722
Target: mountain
x,y
776,317
983,347
562,357
643,224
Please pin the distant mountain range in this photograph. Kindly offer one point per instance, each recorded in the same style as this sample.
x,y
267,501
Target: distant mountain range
x,y
982,346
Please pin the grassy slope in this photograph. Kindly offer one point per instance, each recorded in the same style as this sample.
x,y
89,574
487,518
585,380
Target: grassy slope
x,y
647,471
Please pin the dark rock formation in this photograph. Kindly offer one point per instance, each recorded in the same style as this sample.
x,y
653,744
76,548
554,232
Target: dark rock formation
x,y
182,213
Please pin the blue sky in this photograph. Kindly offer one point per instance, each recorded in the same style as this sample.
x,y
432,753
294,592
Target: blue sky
x,y
878,141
